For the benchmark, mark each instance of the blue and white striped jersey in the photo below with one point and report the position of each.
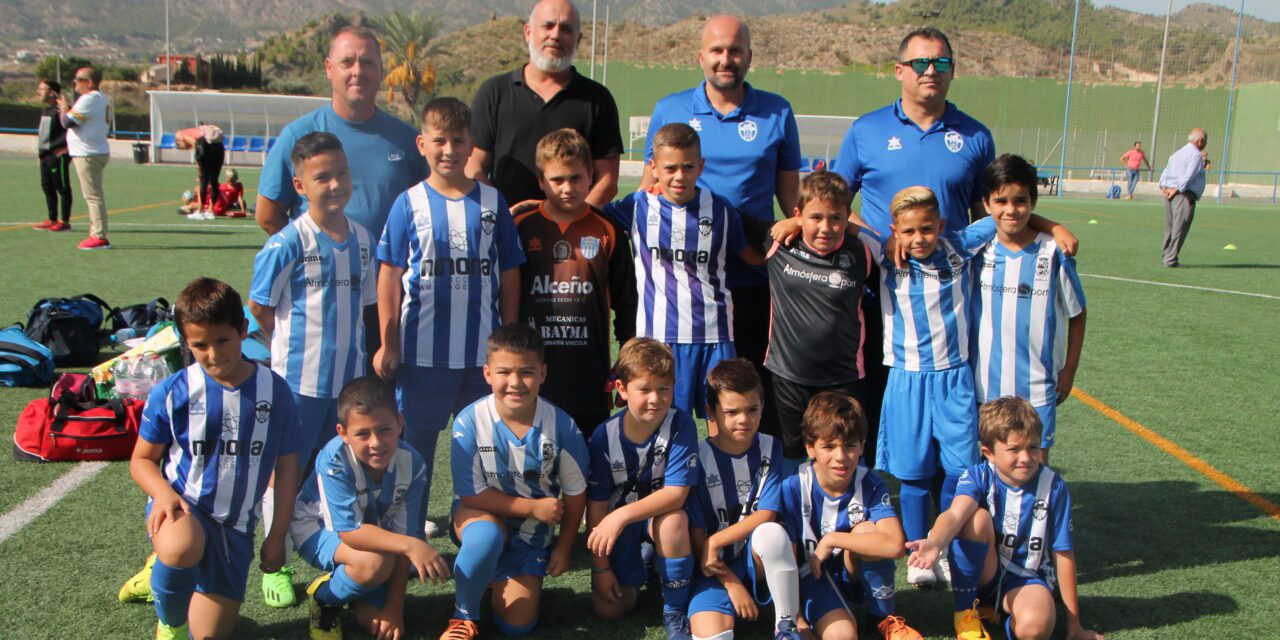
(319, 289)
(340, 496)
(925, 303)
(452, 251)
(623, 471)
(223, 443)
(1029, 520)
(679, 253)
(1019, 312)
(731, 487)
(809, 512)
(550, 460)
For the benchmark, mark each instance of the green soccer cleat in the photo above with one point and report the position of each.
(326, 620)
(166, 632)
(138, 588)
(277, 588)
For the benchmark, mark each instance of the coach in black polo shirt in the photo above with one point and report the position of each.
(512, 111)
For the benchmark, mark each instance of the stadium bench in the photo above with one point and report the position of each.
(167, 141)
(238, 143)
(257, 144)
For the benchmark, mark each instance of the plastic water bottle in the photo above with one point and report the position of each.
(120, 372)
(157, 371)
(127, 333)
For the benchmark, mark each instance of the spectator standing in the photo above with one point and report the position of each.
(55, 163)
(1133, 160)
(1182, 183)
(87, 122)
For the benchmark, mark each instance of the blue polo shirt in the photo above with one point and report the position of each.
(381, 151)
(885, 152)
(744, 151)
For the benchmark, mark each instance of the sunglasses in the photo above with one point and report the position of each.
(81, 79)
(920, 65)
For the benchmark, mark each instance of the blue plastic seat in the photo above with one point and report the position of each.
(167, 141)
(257, 144)
(238, 143)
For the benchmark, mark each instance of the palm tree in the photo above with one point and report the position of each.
(410, 72)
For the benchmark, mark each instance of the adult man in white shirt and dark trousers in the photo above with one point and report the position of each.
(1182, 183)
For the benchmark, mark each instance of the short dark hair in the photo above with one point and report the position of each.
(208, 301)
(95, 74)
(312, 145)
(928, 33)
(516, 337)
(677, 135)
(1009, 169)
(53, 85)
(364, 395)
(832, 415)
(736, 375)
(824, 186)
(446, 114)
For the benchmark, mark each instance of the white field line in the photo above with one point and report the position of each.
(35, 506)
(1183, 286)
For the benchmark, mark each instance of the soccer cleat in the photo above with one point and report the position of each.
(942, 572)
(676, 625)
(896, 628)
(138, 588)
(969, 626)
(91, 243)
(277, 588)
(60, 226)
(460, 629)
(47, 224)
(786, 631)
(166, 632)
(326, 620)
(921, 578)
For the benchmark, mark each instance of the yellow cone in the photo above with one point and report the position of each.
(1093, 221)
(1230, 247)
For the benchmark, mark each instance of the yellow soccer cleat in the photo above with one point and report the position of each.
(969, 626)
(326, 620)
(138, 588)
(896, 628)
(166, 632)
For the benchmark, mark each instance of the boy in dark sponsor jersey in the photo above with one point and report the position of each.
(578, 267)
(816, 328)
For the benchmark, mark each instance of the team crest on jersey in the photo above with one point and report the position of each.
(765, 463)
(1042, 267)
(458, 240)
(548, 450)
(704, 226)
(1040, 510)
(955, 261)
(262, 411)
(856, 514)
(695, 124)
(747, 130)
(562, 251)
(806, 511)
(955, 141)
(487, 220)
(844, 261)
(589, 246)
(364, 255)
(884, 500)
(895, 143)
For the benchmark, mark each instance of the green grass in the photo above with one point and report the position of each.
(1163, 551)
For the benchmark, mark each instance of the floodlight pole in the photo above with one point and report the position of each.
(168, 57)
(1155, 119)
(604, 73)
(1066, 113)
(593, 39)
(1231, 96)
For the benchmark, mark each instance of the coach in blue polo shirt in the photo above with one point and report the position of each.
(752, 150)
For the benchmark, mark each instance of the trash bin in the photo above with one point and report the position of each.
(141, 152)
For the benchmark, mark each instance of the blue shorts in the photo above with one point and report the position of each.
(693, 363)
(428, 396)
(709, 594)
(625, 560)
(928, 417)
(1048, 420)
(319, 550)
(319, 418)
(224, 567)
(992, 593)
(519, 558)
(818, 597)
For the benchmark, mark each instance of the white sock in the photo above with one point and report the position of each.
(771, 543)
(723, 635)
(269, 515)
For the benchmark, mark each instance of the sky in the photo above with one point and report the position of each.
(1265, 9)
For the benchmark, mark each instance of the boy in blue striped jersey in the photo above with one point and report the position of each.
(211, 436)
(519, 469)
(449, 276)
(357, 517)
(1008, 512)
(1028, 308)
(732, 513)
(311, 283)
(839, 513)
(644, 463)
(681, 236)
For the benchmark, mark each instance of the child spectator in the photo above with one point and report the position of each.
(519, 470)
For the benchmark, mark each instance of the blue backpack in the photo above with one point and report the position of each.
(23, 361)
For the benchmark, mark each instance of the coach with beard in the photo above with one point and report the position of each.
(512, 111)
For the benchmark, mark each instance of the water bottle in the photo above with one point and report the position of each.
(119, 337)
(146, 374)
(120, 373)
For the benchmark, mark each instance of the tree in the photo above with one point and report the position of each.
(410, 72)
(48, 68)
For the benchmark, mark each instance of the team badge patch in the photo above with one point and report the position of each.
(695, 124)
(843, 261)
(856, 514)
(895, 143)
(589, 246)
(364, 255)
(1040, 510)
(704, 226)
(562, 251)
(747, 130)
(262, 412)
(487, 220)
(1042, 267)
(955, 261)
(548, 451)
(955, 141)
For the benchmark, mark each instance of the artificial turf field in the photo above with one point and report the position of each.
(1164, 551)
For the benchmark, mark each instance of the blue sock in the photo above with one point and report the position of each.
(877, 583)
(948, 491)
(677, 583)
(172, 588)
(967, 558)
(340, 589)
(509, 630)
(914, 498)
(1008, 629)
(474, 567)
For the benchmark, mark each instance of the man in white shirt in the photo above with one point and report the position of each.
(87, 122)
(1182, 183)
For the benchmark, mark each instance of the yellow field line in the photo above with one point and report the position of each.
(109, 213)
(1182, 455)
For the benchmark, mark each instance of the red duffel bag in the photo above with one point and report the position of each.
(72, 427)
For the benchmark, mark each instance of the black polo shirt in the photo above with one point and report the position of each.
(508, 119)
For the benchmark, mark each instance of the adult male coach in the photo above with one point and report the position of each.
(512, 111)
(381, 149)
(1133, 160)
(87, 122)
(1182, 183)
(752, 151)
